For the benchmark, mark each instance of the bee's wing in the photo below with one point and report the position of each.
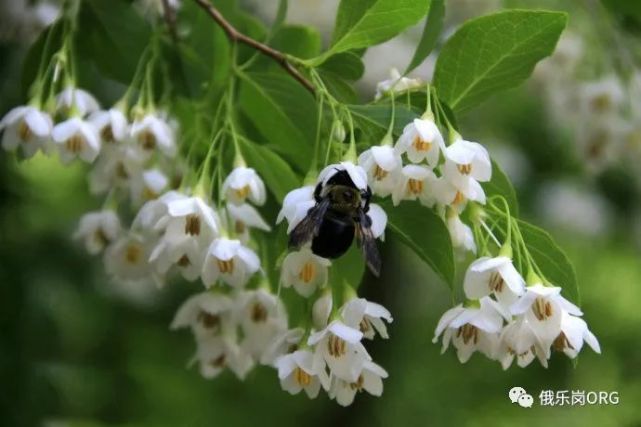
(366, 241)
(309, 226)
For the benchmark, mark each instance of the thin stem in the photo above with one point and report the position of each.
(169, 14)
(235, 36)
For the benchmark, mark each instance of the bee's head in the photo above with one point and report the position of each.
(343, 197)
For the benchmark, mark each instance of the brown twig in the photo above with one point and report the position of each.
(236, 36)
(170, 19)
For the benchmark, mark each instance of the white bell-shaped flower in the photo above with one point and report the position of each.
(154, 212)
(245, 217)
(98, 230)
(184, 253)
(421, 141)
(262, 318)
(466, 164)
(367, 316)
(28, 128)
(370, 380)
(519, 341)
(126, 259)
(149, 185)
(460, 233)
(574, 332)
(76, 138)
(495, 276)
(207, 314)
(396, 83)
(286, 342)
(111, 124)
(383, 166)
(299, 371)
(153, 132)
(244, 184)
(340, 347)
(543, 307)
(356, 173)
(296, 205)
(229, 261)
(189, 216)
(117, 166)
(415, 182)
(305, 271)
(602, 97)
(73, 98)
(215, 354)
(471, 329)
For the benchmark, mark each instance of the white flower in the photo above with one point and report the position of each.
(415, 182)
(322, 309)
(542, 306)
(518, 340)
(367, 316)
(76, 138)
(356, 174)
(285, 343)
(116, 166)
(305, 271)
(383, 168)
(184, 252)
(471, 329)
(148, 186)
(295, 206)
(189, 216)
(98, 229)
(396, 83)
(80, 100)
(153, 132)
(467, 164)
(602, 97)
(207, 314)
(111, 124)
(214, 354)
(244, 217)
(230, 261)
(574, 331)
(460, 233)
(26, 127)
(339, 346)
(496, 276)
(242, 184)
(154, 212)
(263, 318)
(421, 140)
(126, 259)
(299, 371)
(370, 380)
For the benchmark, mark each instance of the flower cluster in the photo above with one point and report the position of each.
(327, 351)
(506, 320)
(604, 110)
(439, 176)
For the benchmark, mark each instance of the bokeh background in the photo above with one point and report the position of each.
(77, 349)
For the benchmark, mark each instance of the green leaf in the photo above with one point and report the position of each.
(113, 36)
(425, 233)
(279, 177)
(348, 65)
(500, 185)
(494, 53)
(379, 117)
(433, 27)
(338, 87)
(297, 40)
(283, 112)
(363, 23)
(551, 259)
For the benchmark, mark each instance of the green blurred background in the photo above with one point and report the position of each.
(79, 350)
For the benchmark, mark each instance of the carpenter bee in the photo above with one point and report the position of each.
(339, 215)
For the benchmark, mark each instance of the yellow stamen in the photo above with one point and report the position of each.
(421, 145)
(415, 186)
(542, 309)
(192, 225)
(308, 272)
(225, 266)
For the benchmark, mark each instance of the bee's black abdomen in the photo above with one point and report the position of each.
(335, 236)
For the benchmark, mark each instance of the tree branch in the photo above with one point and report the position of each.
(235, 36)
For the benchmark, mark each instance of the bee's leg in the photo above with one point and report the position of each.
(366, 195)
(317, 192)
